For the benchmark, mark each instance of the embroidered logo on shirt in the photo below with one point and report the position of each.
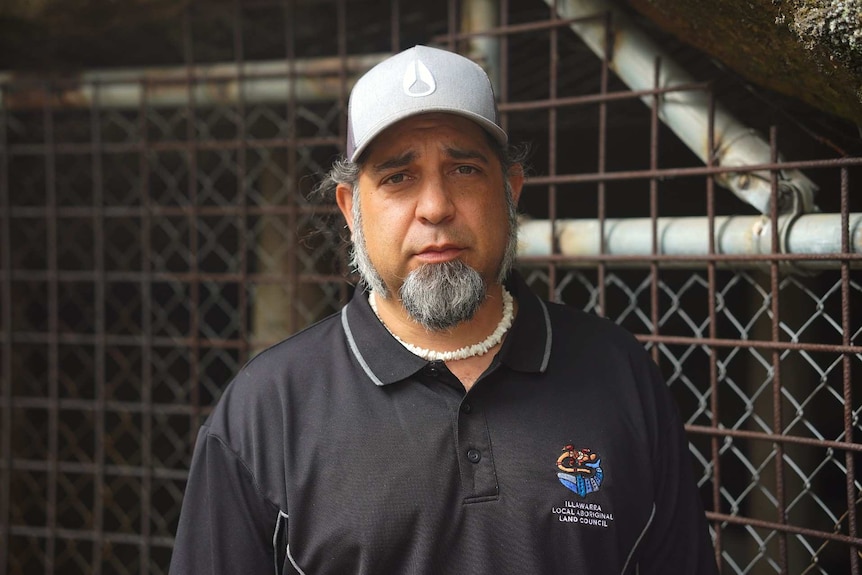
(580, 470)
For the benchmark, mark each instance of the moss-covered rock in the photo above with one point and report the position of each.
(809, 49)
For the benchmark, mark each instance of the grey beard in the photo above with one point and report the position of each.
(440, 296)
(437, 296)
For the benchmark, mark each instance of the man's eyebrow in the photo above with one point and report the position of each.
(462, 154)
(396, 162)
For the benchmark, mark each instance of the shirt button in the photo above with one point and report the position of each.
(432, 370)
(474, 455)
(466, 407)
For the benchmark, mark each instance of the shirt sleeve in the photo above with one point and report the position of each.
(677, 540)
(226, 524)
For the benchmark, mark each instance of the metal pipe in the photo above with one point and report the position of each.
(313, 79)
(809, 234)
(686, 113)
(477, 16)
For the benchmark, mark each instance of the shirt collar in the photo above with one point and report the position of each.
(526, 347)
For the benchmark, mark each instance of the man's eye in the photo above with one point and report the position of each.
(466, 170)
(395, 179)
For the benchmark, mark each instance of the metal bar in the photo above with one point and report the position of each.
(88, 405)
(145, 282)
(653, 207)
(553, 66)
(783, 528)
(749, 343)
(194, 280)
(342, 136)
(452, 27)
(748, 237)
(395, 27)
(773, 438)
(232, 144)
(99, 369)
(686, 113)
(132, 340)
(601, 191)
(777, 425)
(313, 79)
(167, 341)
(823, 261)
(715, 450)
(173, 146)
(847, 391)
(668, 173)
(41, 465)
(503, 94)
(504, 30)
(242, 196)
(53, 330)
(6, 349)
(80, 534)
(22, 212)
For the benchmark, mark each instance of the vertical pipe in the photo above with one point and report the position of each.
(100, 344)
(713, 334)
(53, 333)
(6, 342)
(846, 328)
(776, 357)
(478, 16)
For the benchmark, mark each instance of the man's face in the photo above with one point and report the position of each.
(432, 191)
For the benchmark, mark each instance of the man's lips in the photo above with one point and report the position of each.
(437, 254)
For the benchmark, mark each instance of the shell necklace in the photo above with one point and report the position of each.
(465, 352)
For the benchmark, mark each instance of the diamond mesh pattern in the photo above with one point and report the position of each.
(151, 252)
(811, 394)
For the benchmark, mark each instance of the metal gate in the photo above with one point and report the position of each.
(156, 231)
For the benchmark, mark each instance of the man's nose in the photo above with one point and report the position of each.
(435, 204)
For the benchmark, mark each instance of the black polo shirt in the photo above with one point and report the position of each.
(338, 451)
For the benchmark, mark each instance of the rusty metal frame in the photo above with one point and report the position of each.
(145, 549)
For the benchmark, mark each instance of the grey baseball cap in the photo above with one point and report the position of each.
(418, 81)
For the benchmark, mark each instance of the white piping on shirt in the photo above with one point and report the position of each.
(638, 542)
(548, 335)
(352, 342)
(292, 562)
(282, 520)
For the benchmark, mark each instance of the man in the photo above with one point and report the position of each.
(447, 421)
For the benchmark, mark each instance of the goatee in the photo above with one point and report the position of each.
(441, 296)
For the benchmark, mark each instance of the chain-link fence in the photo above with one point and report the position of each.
(156, 231)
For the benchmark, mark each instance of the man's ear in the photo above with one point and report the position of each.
(344, 199)
(516, 181)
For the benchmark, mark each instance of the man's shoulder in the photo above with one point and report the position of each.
(314, 338)
(265, 382)
(576, 323)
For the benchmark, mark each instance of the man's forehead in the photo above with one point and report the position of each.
(456, 136)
